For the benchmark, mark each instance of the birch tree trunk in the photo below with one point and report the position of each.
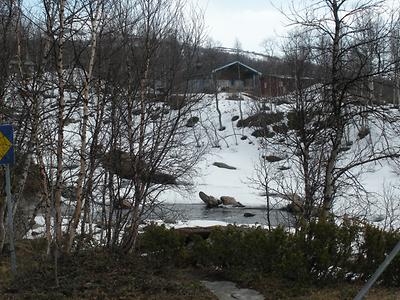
(60, 122)
(85, 108)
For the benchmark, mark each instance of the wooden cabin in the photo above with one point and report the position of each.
(237, 77)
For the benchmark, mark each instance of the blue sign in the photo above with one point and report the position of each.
(6, 145)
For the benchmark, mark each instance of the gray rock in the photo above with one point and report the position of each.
(378, 218)
(248, 215)
(210, 201)
(192, 121)
(223, 165)
(227, 200)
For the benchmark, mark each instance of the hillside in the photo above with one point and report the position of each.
(228, 146)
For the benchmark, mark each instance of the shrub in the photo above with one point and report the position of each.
(281, 128)
(328, 249)
(265, 133)
(293, 261)
(200, 251)
(294, 120)
(376, 244)
(222, 255)
(176, 102)
(162, 246)
(320, 252)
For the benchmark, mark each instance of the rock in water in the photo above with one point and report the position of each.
(248, 215)
(227, 200)
(210, 201)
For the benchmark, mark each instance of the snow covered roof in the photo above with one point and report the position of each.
(234, 63)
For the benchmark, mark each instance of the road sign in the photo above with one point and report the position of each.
(7, 158)
(6, 145)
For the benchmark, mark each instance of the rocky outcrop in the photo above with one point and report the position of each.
(210, 201)
(127, 166)
(227, 200)
(213, 202)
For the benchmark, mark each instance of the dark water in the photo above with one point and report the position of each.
(176, 212)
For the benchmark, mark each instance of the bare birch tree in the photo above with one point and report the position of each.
(323, 116)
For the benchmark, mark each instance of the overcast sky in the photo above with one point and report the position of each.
(249, 21)
(252, 21)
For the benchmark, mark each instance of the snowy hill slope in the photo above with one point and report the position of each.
(378, 179)
(236, 147)
(225, 146)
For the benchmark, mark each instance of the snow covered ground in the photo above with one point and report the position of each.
(236, 147)
(229, 148)
(379, 181)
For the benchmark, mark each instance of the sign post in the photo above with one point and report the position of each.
(7, 159)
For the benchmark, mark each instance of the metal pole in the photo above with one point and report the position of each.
(10, 220)
(378, 272)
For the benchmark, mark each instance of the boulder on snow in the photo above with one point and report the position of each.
(283, 168)
(223, 165)
(363, 132)
(192, 121)
(210, 201)
(272, 158)
(378, 218)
